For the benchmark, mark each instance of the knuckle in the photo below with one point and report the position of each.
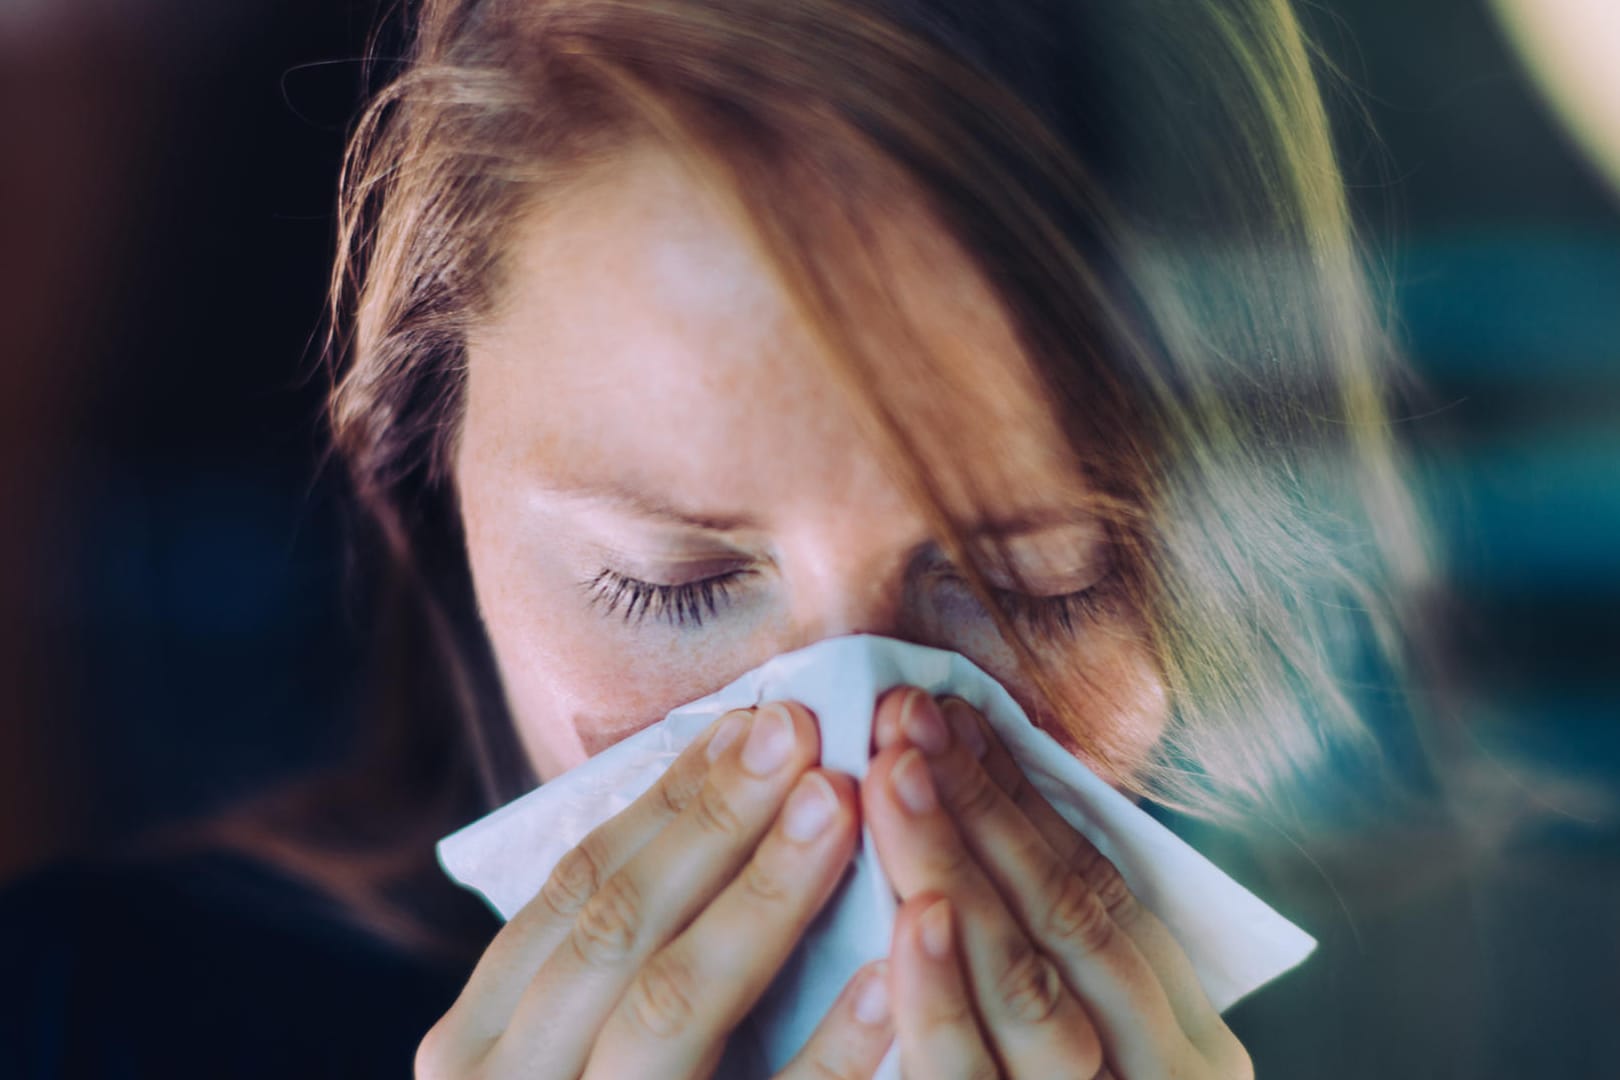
(679, 786)
(1084, 856)
(609, 924)
(1079, 918)
(975, 795)
(673, 793)
(762, 883)
(715, 814)
(1112, 892)
(1016, 786)
(1029, 985)
(573, 881)
(834, 1067)
(1105, 881)
(660, 999)
(1053, 879)
(949, 1012)
(946, 862)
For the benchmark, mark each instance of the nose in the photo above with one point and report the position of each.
(835, 592)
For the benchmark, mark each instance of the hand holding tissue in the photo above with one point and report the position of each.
(1234, 941)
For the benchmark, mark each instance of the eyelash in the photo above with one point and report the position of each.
(685, 605)
(678, 605)
(1057, 616)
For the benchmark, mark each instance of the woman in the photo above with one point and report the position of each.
(710, 329)
(676, 334)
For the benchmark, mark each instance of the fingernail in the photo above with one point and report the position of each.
(731, 726)
(809, 808)
(886, 730)
(912, 783)
(872, 1004)
(965, 725)
(935, 926)
(770, 744)
(920, 719)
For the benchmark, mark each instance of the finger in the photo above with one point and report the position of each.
(485, 1005)
(886, 716)
(1157, 945)
(673, 1019)
(1080, 927)
(904, 712)
(659, 890)
(850, 1041)
(1034, 1024)
(935, 1021)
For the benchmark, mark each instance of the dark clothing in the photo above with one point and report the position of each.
(210, 966)
(217, 967)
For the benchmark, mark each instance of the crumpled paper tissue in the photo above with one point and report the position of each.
(1236, 942)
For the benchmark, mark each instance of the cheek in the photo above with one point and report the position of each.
(571, 689)
(1112, 705)
(574, 692)
(576, 682)
(1114, 711)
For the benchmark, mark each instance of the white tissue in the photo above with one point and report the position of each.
(1235, 942)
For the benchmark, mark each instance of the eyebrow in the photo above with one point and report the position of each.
(650, 504)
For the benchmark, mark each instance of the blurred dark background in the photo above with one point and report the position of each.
(173, 627)
(173, 617)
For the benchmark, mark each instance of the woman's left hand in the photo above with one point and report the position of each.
(1019, 951)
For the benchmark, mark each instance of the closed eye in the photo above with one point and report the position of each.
(1057, 616)
(679, 605)
(688, 604)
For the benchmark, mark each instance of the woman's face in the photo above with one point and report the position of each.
(663, 486)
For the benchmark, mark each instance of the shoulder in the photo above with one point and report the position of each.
(207, 965)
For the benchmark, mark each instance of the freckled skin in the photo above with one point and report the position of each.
(640, 341)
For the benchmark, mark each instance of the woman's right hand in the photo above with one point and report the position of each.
(654, 937)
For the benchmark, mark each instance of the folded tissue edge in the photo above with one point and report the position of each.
(1236, 943)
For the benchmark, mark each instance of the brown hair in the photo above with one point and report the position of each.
(1150, 188)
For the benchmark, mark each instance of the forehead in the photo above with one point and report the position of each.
(640, 330)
